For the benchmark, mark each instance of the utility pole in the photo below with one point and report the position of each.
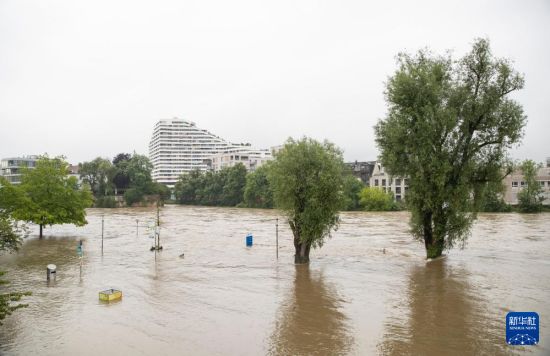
(158, 226)
(102, 226)
(277, 237)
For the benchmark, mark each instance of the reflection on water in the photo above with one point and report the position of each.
(310, 322)
(443, 314)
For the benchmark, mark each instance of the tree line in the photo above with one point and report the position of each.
(127, 174)
(234, 186)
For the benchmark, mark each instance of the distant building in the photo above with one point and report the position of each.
(178, 146)
(381, 179)
(250, 158)
(10, 168)
(514, 183)
(362, 170)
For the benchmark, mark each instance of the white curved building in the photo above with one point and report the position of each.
(179, 146)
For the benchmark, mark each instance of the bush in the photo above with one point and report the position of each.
(132, 196)
(376, 199)
(105, 202)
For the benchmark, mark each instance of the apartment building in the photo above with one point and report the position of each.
(10, 168)
(381, 179)
(249, 157)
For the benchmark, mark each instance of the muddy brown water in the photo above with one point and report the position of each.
(367, 291)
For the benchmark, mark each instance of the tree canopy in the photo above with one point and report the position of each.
(351, 190)
(306, 178)
(51, 195)
(448, 128)
(257, 192)
(223, 188)
(98, 175)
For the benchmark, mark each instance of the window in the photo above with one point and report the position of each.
(398, 197)
(376, 182)
(522, 184)
(397, 182)
(397, 190)
(383, 182)
(406, 181)
(542, 183)
(514, 184)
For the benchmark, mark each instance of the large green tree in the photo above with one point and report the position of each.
(121, 180)
(98, 175)
(52, 196)
(448, 127)
(530, 196)
(139, 170)
(306, 178)
(257, 192)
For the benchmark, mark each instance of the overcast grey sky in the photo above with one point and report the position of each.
(91, 78)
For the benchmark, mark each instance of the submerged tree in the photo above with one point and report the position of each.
(448, 127)
(306, 178)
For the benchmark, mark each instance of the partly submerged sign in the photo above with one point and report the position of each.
(522, 328)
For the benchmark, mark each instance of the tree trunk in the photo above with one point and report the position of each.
(434, 244)
(302, 249)
(41, 230)
(302, 252)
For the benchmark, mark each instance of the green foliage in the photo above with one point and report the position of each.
(11, 235)
(105, 202)
(233, 188)
(306, 178)
(448, 128)
(130, 174)
(223, 188)
(97, 174)
(257, 192)
(376, 199)
(352, 188)
(120, 177)
(492, 200)
(139, 172)
(162, 191)
(530, 196)
(187, 186)
(7, 306)
(51, 195)
(133, 196)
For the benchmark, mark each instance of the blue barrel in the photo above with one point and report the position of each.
(249, 240)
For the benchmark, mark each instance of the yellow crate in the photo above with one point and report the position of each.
(110, 294)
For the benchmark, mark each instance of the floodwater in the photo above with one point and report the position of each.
(367, 291)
